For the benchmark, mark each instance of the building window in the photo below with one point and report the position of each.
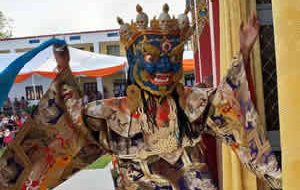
(269, 74)
(189, 79)
(75, 38)
(32, 94)
(4, 51)
(113, 50)
(81, 48)
(92, 49)
(278, 157)
(90, 87)
(34, 41)
(269, 77)
(263, 1)
(119, 87)
(268, 60)
(112, 34)
(23, 50)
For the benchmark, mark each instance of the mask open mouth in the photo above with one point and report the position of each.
(158, 83)
(161, 79)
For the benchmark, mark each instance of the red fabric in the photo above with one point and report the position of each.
(211, 155)
(7, 139)
(250, 83)
(206, 53)
(216, 15)
(209, 141)
(197, 72)
(203, 65)
(19, 123)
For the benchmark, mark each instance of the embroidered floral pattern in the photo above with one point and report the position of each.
(55, 142)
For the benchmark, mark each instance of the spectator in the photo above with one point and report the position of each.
(1, 117)
(7, 137)
(105, 93)
(5, 121)
(11, 125)
(18, 122)
(85, 99)
(7, 107)
(2, 127)
(13, 117)
(17, 105)
(92, 96)
(99, 95)
(23, 103)
(8, 126)
(1, 138)
(23, 117)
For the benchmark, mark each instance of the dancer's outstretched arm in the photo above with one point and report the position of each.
(54, 142)
(234, 119)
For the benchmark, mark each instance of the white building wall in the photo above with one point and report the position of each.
(89, 37)
(95, 38)
(18, 89)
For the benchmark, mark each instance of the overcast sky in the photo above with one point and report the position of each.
(38, 17)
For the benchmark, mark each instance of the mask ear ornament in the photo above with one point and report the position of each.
(134, 97)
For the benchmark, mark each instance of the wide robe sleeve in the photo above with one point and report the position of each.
(54, 142)
(233, 117)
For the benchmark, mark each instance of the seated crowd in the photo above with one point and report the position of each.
(12, 118)
(13, 115)
(91, 96)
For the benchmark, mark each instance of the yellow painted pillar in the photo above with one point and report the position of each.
(232, 13)
(286, 15)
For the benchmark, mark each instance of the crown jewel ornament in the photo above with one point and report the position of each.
(164, 25)
(141, 18)
(164, 17)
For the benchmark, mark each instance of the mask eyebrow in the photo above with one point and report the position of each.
(177, 50)
(151, 49)
(145, 47)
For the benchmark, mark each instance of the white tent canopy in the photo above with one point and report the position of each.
(80, 61)
(40, 70)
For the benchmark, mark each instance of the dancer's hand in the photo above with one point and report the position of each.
(248, 35)
(62, 56)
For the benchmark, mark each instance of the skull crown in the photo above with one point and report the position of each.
(165, 24)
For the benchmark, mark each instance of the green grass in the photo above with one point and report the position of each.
(100, 162)
(1, 152)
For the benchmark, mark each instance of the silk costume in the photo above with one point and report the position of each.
(141, 130)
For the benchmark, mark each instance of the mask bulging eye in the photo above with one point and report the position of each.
(148, 58)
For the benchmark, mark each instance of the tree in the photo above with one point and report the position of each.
(5, 27)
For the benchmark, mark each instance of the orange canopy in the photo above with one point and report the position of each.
(188, 65)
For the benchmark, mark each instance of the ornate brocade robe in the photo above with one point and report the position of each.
(62, 137)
